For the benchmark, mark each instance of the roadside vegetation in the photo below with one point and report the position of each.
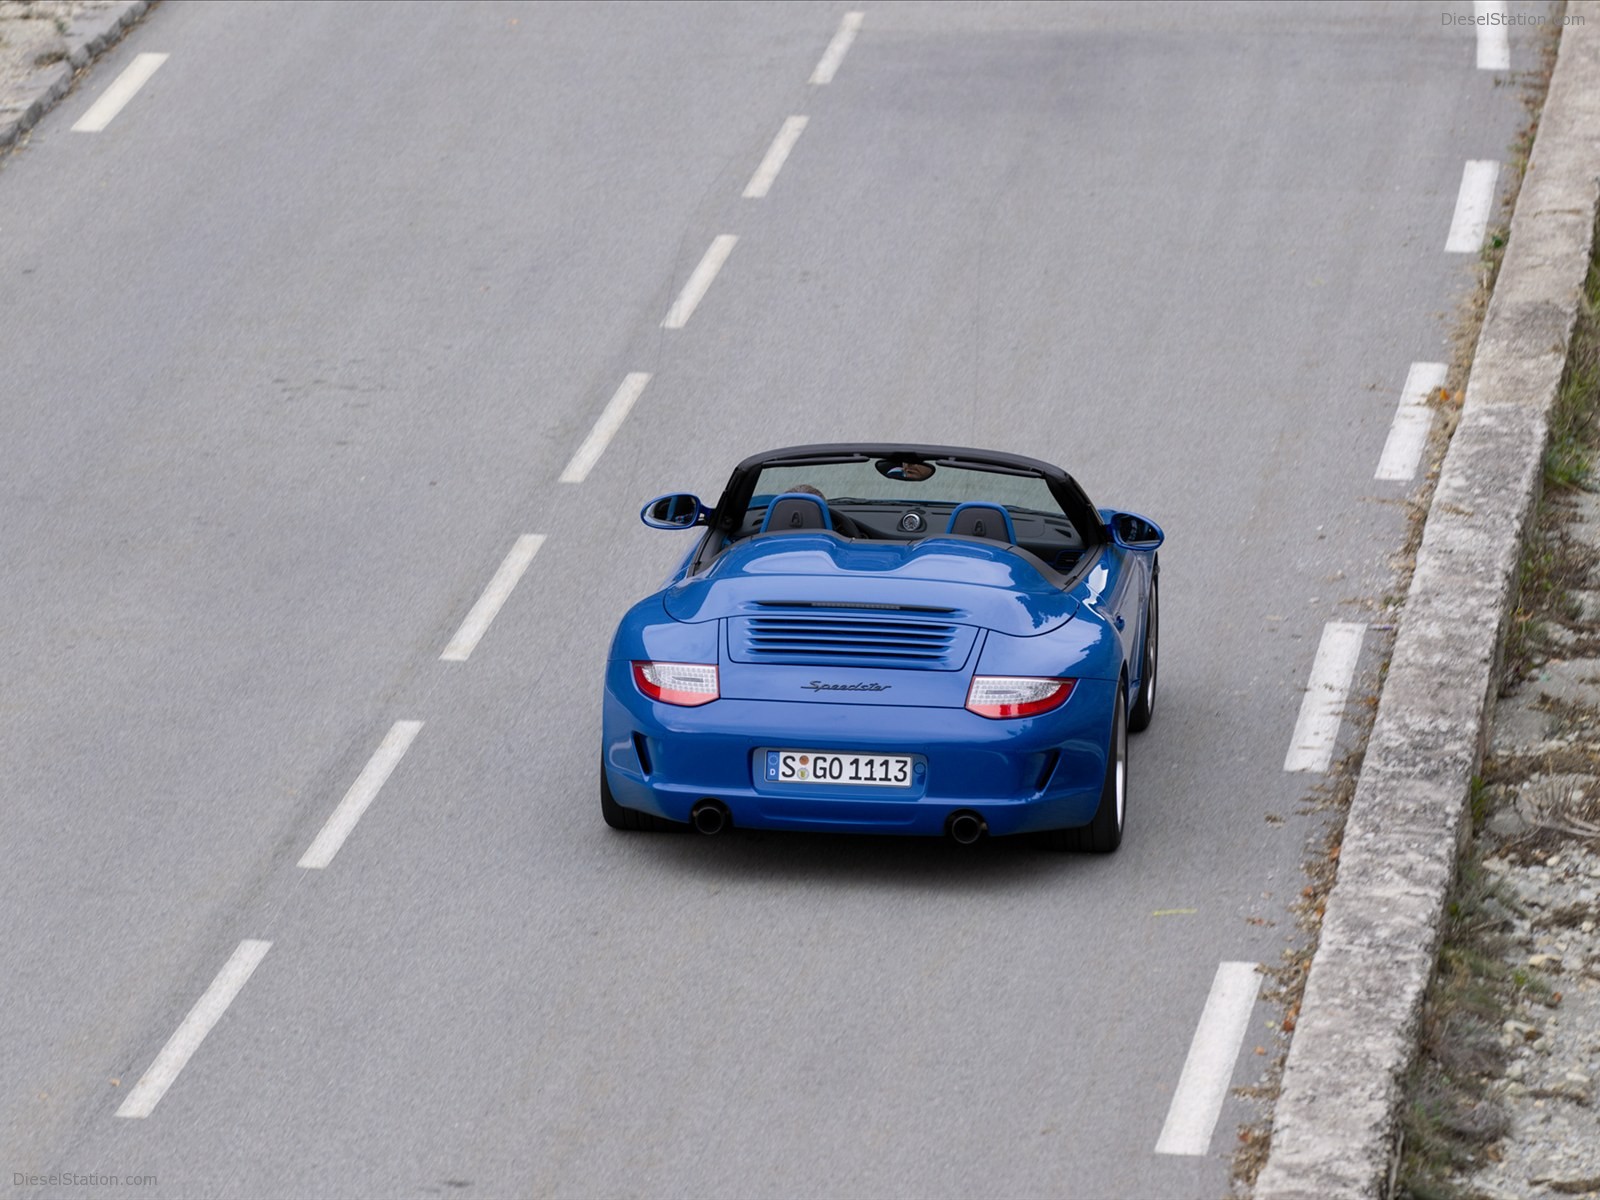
(1452, 1115)
(1554, 566)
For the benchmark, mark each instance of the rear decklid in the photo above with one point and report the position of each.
(918, 603)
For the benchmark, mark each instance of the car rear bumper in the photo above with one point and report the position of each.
(1020, 775)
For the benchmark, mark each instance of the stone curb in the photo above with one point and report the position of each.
(89, 37)
(1334, 1123)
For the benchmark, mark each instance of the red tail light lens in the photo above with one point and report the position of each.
(1000, 696)
(687, 684)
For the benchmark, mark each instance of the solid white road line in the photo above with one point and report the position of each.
(1408, 435)
(694, 291)
(180, 1047)
(605, 428)
(1494, 41)
(477, 622)
(362, 793)
(834, 54)
(1474, 202)
(122, 89)
(1322, 710)
(777, 153)
(1208, 1070)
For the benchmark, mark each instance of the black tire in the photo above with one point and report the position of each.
(1103, 834)
(630, 818)
(1144, 704)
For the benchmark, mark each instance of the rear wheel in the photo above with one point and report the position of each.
(1103, 834)
(630, 818)
(1144, 705)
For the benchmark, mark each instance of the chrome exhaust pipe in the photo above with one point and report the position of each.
(966, 828)
(709, 817)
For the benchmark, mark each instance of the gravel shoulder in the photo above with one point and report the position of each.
(1552, 1142)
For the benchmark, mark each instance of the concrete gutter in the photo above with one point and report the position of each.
(1334, 1123)
(89, 33)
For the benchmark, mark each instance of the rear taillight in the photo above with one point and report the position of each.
(687, 684)
(1016, 696)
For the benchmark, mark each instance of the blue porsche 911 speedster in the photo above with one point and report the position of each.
(887, 639)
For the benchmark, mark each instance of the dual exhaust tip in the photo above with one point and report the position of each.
(710, 817)
(966, 827)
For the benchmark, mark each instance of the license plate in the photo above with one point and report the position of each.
(828, 767)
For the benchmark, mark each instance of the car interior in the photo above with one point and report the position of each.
(1048, 537)
(904, 499)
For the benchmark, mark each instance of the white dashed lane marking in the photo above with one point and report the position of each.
(1408, 434)
(777, 154)
(202, 1018)
(122, 89)
(828, 64)
(1322, 710)
(361, 794)
(488, 605)
(1494, 40)
(1207, 1072)
(1474, 203)
(700, 282)
(605, 427)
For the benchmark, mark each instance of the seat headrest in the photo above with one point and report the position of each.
(796, 510)
(977, 519)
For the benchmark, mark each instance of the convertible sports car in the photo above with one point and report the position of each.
(887, 639)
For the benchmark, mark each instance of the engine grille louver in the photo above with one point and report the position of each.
(812, 636)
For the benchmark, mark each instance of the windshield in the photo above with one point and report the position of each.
(945, 486)
(902, 499)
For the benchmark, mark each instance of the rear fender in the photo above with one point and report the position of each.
(647, 632)
(1084, 648)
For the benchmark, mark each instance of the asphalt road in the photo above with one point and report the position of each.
(301, 343)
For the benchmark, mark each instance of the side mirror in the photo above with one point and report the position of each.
(680, 510)
(1133, 532)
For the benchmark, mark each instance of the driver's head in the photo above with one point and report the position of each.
(807, 489)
